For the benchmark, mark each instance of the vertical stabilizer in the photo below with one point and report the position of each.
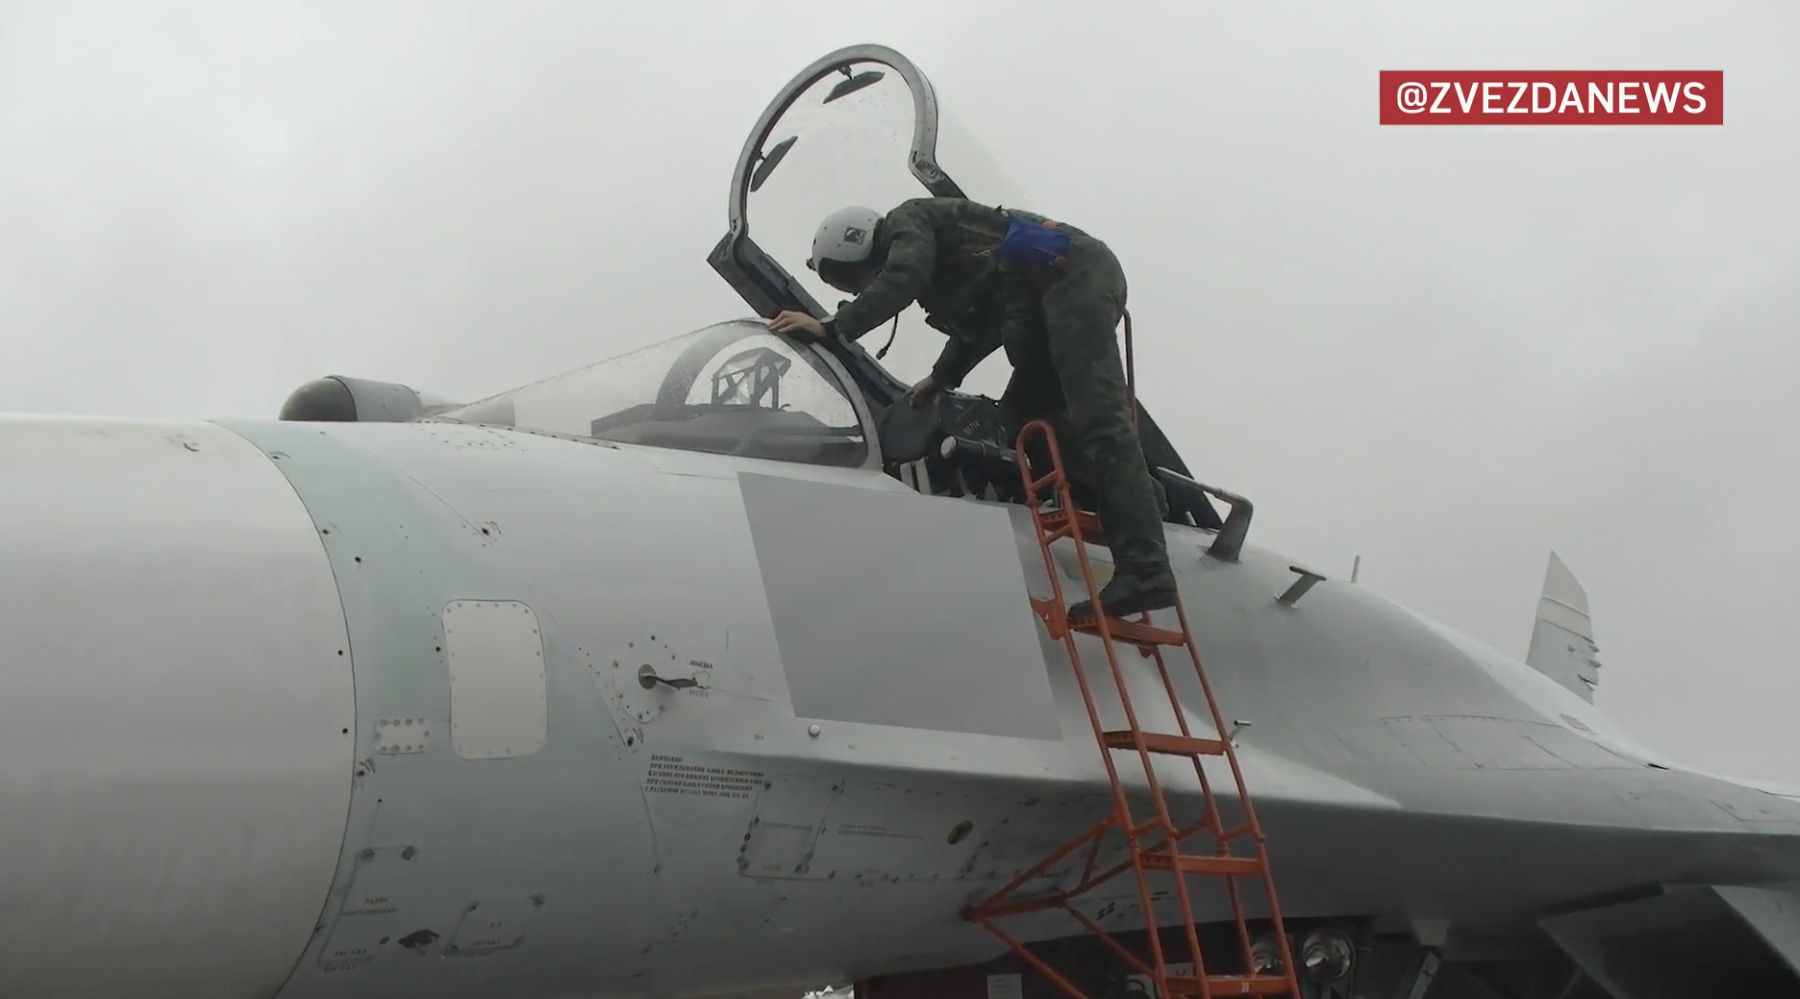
(1562, 640)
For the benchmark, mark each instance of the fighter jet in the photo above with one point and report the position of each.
(708, 670)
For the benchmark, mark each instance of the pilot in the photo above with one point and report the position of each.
(1052, 296)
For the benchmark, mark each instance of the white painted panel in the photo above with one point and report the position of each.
(496, 659)
(870, 633)
(177, 713)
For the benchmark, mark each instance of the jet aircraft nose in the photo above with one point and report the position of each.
(176, 713)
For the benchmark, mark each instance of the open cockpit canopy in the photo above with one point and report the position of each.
(860, 126)
(863, 126)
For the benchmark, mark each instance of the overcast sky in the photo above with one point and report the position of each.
(1446, 349)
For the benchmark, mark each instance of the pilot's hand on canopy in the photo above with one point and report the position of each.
(797, 324)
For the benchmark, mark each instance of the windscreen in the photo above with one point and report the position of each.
(733, 388)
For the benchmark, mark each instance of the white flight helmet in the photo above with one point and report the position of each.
(847, 236)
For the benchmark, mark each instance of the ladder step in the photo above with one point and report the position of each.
(1191, 864)
(1056, 524)
(1231, 985)
(1142, 635)
(1090, 524)
(1169, 745)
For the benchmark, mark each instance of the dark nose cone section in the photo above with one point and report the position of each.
(322, 400)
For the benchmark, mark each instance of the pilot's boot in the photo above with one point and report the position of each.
(1142, 580)
(1133, 589)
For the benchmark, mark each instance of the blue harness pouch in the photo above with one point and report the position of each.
(1028, 242)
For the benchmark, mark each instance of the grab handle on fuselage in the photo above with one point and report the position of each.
(1185, 492)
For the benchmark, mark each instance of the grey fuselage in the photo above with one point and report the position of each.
(360, 710)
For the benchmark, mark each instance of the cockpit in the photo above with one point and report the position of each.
(861, 126)
(732, 388)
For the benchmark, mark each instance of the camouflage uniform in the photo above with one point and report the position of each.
(1058, 330)
(935, 251)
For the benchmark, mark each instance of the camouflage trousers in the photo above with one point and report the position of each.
(1067, 371)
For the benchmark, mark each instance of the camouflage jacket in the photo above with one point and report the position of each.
(936, 251)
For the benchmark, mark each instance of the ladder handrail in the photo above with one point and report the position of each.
(1165, 855)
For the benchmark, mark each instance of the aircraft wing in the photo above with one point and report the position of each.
(1651, 946)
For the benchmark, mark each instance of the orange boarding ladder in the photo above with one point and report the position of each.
(1164, 856)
